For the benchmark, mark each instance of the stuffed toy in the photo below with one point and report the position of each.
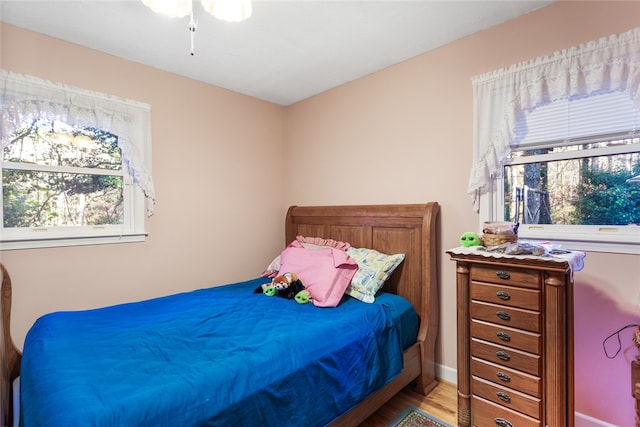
(286, 285)
(469, 239)
(303, 297)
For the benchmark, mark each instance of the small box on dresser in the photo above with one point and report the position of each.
(515, 338)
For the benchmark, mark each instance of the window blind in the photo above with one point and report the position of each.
(570, 120)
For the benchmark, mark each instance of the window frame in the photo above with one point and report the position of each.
(131, 230)
(127, 119)
(594, 238)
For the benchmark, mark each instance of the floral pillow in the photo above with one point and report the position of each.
(374, 268)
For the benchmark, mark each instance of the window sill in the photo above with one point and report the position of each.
(7, 245)
(622, 244)
(614, 248)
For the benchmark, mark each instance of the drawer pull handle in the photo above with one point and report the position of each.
(504, 377)
(503, 275)
(504, 397)
(503, 315)
(503, 295)
(503, 336)
(503, 356)
(502, 422)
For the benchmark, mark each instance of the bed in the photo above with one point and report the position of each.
(299, 369)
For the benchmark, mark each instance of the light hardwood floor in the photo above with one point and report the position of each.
(441, 403)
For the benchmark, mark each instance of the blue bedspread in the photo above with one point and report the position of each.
(221, 356)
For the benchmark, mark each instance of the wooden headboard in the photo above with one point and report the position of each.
(410, 229)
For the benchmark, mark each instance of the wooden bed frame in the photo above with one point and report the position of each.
(10, 355)
(391, 229)
(408, 228)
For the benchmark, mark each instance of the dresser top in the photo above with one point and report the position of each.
(573, 260)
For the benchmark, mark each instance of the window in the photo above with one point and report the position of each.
(557, 146)
(567, 179)
(71, 167)
(576, 184)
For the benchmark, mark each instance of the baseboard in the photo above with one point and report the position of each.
(448, 374)
(583, 420)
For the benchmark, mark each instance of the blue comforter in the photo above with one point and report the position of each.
(221, 356)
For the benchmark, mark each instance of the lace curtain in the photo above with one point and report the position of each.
(503, 98)
(24, 99)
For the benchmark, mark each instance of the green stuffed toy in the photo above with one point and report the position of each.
(469, 239)
(270, 290)
(286, 286)
(303, 297)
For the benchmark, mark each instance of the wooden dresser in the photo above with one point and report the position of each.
(515, 339)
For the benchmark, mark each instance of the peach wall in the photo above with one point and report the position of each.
(409, 129)
(404, 135)
(212, 156)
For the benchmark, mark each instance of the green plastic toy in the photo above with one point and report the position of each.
(469, 239)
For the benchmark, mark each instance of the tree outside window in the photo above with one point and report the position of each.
(56, 175)
(586, 190)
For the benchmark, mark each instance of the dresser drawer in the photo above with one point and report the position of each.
(506, 356)
(488, 414)
(506, 276)
(520, 381)
(507, 397)
(505, 316)
(506, 295)
(515, 338)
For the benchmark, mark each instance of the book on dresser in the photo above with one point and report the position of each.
(515, 338)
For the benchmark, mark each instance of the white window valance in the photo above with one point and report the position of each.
(503, 98)
(24, 99)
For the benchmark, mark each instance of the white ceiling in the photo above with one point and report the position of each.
(286, 52)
